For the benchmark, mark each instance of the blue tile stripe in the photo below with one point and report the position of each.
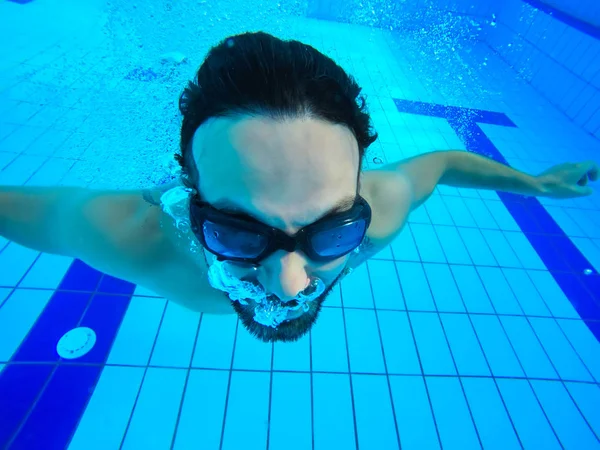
(567, 19)
(42, 396)
(562, 258)
(454, 113)
(53, 420)
(20, 386)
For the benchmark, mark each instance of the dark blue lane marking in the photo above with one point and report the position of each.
(567, 19)
(57, 412)
(80, 277)
(62, 313)
(19, 387)
(21, 2)
(42, 396)
(562, 258)
(112, 285)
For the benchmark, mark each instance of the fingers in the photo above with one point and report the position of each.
(591, 169)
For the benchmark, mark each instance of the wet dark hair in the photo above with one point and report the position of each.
(259, 74)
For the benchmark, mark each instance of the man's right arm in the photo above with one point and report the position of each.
(116, 232)
(36, 217)
(103, 228)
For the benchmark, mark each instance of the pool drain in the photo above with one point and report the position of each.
(76, 343)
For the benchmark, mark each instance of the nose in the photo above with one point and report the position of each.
(284, 275)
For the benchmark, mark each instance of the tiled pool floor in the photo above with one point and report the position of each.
(476, 328)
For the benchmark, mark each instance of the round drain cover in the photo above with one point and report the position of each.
(76, 343)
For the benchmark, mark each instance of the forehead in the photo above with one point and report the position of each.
(285, 171)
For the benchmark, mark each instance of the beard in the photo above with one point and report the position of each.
(265, 316)
(286, 331)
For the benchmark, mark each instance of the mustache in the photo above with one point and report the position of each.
(314, 289)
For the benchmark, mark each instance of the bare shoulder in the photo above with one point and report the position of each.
(179, 274)
(141, 249)
(390, 196)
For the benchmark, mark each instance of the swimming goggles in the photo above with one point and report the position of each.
(240, 238)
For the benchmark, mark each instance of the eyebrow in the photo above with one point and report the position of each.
(230, 207)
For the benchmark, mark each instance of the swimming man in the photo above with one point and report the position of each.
(271, 208)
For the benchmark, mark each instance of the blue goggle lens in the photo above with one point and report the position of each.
(230, 242)
(338, 241)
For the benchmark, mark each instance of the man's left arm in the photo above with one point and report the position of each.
(469, 170)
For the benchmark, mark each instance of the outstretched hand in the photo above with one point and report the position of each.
(568, 180)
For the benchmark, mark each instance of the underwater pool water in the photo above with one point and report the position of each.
(478, 327)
